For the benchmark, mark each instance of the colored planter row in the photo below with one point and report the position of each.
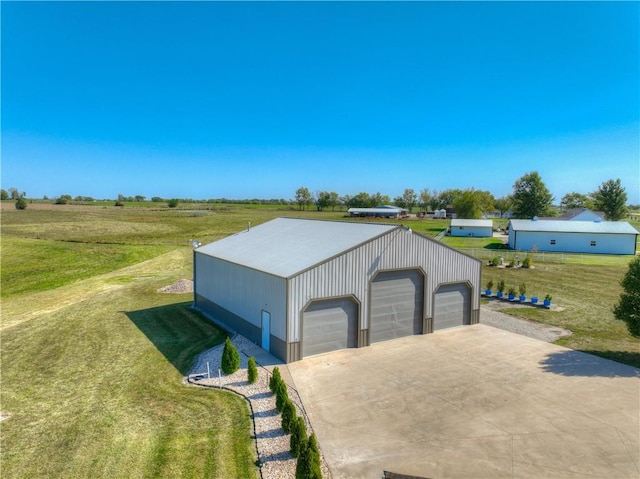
(521, 298)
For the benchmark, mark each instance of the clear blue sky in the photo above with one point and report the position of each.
(253, 100)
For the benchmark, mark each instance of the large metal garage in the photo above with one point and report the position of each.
(303, 287)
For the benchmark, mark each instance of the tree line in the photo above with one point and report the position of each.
(530, 198)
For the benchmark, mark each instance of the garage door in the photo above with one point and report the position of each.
(451, 306)
(396, 305)
(329, 325)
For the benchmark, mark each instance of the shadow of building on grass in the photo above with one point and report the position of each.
(177, 331)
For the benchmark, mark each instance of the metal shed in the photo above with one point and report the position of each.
(601, 237)
(301, 287)
(475, 228)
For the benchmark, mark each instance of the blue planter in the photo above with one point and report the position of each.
(523, 298)
(512, 297)
(547, 303)
(487, 292)
(499, 294)
(534, 300)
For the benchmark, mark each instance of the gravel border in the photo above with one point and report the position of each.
(272, 443)
(491, 316)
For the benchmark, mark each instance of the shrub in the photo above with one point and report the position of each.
(230, 358)
(490, 284)
(526, 263)
(548, 297)
(282, 396)
(495, 261)
(501, 285)
(172, 203)
(313, 459)
(275, 379)
(21, 204)
(252, 370)
(302, 466)
(298, 436)
(511, 290)
(288, 416)
(522, 289)
(119, 203)
(628, 309)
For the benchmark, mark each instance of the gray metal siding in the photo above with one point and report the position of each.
(397, 299)
(351, 272)
(451, 306)
(243, 291)
(329, 325)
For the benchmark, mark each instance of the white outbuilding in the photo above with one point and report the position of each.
(301, 287)
(473, 228)
(601, 237)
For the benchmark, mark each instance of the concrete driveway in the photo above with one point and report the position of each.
(473, 402)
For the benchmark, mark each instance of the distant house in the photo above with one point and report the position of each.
(567, 236)
(581, 214)
(475, 228)
(378, 212)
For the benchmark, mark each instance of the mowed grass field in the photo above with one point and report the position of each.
(92, 355)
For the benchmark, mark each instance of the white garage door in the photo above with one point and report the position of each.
(396, 305)
(329, 325)
(451, 307)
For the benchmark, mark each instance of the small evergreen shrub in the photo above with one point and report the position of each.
(298, 436)
(230, 358)
(313, 459)
(526, 263)
(522, 289)
(172, 203)
(302, 465)
(288, 416)
(252, 370)
(501, 285)
(274, 379)
(21, 204)
(282, 396)
(490, 284)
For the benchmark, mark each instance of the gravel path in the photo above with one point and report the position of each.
(271, 441)
(490, 315)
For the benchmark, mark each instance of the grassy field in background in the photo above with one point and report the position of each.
(93, 356)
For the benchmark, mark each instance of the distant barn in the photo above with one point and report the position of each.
(602, 237)
(378, 212)
(474, 228)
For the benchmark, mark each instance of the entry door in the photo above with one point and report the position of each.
(266, 325)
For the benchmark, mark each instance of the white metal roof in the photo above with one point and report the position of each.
(286, 246)
(472, 223)
(379, 209)
(556, 226)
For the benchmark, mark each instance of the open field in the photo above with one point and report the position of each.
(92, 355)
(91, 382)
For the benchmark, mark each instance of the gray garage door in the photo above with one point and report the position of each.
(396, 305)
(451, 307)
(329, 325)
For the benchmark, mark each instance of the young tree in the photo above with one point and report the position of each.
(282, 396)
(298, 437)
(252, 370)
(21, 204)
(275, 379)
(466, 205)
(313, 459)
(611, 198)
(302, 465)
(409, 198)
(576, 200)
(503, 204)
(4, 195)
(303, 198)
(628, 309)
(230, 358)
(531, 197)
(14, 192)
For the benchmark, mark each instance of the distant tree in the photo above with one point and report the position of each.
(467, 205)
(252, 370)
(426, 199)
(63, 200)
(503, 204)
(4, 195)
(157, 199)
(531, 197)
(230, 358)
(409, 199)
(121, 198)
(334, 200)
(378, 199)
(298, 437)
(361, 200)
(628, 309)
(611, 198)
(21, 203)
(322, 200)
(172, 203)
(14, 192)
(448, 197)
(303, 198)
(140, 198)
(576, 200)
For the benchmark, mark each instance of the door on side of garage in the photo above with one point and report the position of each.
(397, 305)
(329, 325)
(451, 306)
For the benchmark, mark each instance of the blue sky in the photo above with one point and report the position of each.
(253, 100)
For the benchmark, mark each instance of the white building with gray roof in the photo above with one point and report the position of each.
(301, 287)
(471, 227)
(602, 237)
